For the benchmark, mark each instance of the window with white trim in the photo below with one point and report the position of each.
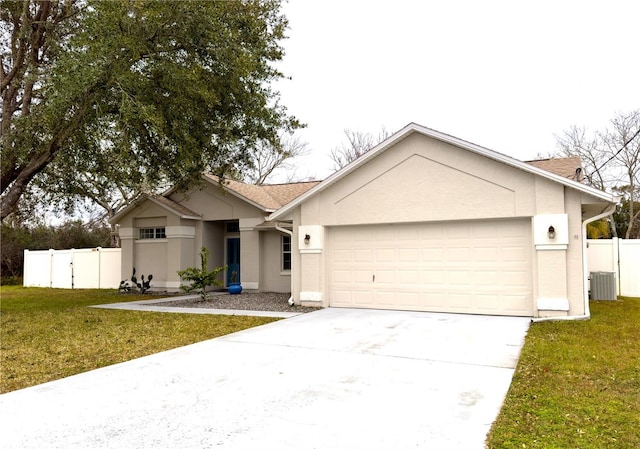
(286, 253)
(152, 233)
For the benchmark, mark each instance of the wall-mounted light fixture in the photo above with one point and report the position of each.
(551, 233)
(307, 237)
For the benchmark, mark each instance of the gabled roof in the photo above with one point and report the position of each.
(173, 206)
(477, 149)
(266, 197)
(162, 201)
(567, 167)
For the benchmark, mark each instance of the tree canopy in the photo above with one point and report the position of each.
(611, 162)
(133, 93)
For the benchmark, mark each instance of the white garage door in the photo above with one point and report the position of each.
(481, 267)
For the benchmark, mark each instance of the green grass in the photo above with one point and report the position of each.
(577, 384)
(47, 334)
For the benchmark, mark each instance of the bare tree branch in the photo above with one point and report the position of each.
(267, 158)
(358, 143)
(611, 161)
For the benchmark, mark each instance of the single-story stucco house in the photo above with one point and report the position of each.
(423, 221)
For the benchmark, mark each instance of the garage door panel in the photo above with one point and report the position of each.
(486, 230)
(362, 298)
(513, 302)
(342, 298)
(434, 231)
(457, 231)
(362, 255)
(362, 277)
(341, 256)
(431, 278)
(513, 254)
(383, 255)
(485, 278)
(409, 277)
(339, 276)
(387, 299)
(488, 302)
(515, 278)
(432, 254)
(458, 254)
(384, 278)
(461, 301)
(455, 278)
(468, 267)
(486, 254)
(411, 255)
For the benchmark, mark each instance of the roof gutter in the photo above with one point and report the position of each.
(290, 234)
(585, 266)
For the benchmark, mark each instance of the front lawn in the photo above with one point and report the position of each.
(577, 384)
(47, 334)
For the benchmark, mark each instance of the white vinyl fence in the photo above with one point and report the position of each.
(72, 268)
(620, 256)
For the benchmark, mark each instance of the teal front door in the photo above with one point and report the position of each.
(233, 260)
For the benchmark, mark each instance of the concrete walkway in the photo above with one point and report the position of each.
(155, 305)
(335, 378)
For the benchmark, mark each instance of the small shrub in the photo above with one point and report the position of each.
(11, 280)
(143, 285)
(124, 287)
(201, 278)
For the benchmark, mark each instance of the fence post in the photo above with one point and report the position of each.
(615, 247)
(25, 264)
(72, 273)
(51, 253)
(99, 266)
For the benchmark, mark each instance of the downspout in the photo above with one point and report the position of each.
(587, 313)
(290, 234)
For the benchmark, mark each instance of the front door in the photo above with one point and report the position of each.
(233, 260)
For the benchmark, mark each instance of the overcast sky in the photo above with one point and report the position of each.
(506, 75)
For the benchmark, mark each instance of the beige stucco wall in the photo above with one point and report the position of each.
(213, 240)
(575, 275)
(421, 179)
(272, 278)
(216, 204)
(161, 257)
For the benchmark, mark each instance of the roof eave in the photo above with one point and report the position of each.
(126, 210)
(174, 211)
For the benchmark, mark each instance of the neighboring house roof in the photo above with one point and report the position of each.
(267, 197)
(415, 128)
(567, 167)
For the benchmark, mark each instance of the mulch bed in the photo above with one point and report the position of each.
(262, 301)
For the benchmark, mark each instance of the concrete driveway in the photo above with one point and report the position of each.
(335, 378)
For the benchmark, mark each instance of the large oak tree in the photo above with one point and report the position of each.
(135, 93)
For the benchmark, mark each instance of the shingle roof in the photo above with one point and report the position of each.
(567, 167)
(285, 193)
(269, 197)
